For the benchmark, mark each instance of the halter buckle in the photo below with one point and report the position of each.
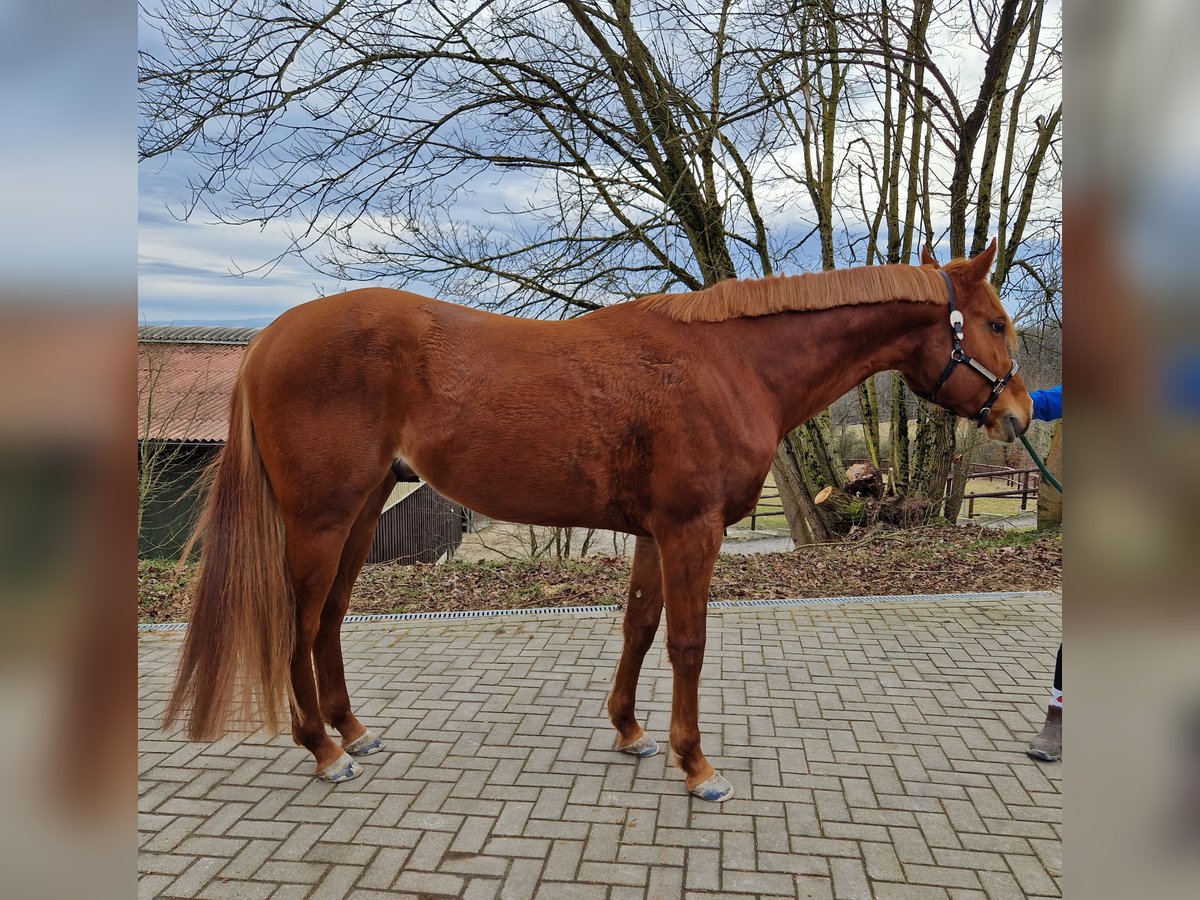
(957, 323)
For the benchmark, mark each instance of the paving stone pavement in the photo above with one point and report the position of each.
(876, 750)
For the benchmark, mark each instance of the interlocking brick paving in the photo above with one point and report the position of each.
(877, 750)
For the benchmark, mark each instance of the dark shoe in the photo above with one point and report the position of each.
(1047, 746)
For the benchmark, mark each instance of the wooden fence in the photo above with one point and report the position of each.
(1017, 483)
(766, 508)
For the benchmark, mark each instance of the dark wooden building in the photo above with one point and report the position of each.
(185, 379)
(418, 525)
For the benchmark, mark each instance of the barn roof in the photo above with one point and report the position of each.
(185, 379)
(194, 334)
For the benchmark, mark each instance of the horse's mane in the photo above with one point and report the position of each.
(816, 290)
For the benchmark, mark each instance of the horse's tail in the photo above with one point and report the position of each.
(237, 653)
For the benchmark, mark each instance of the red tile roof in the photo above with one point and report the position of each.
(184, 387)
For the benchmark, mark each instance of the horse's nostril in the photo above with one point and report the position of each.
(1017, 426)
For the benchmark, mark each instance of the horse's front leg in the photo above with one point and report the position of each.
(688, 553)
(643, 611)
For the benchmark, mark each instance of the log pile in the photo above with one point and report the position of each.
(842, 507)
(864, 480)
(862, 502)
(906, 512)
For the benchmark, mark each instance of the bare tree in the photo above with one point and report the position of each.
(982, 147)
(163, 461)
(634, 137)
(631, 140)
(553, 158)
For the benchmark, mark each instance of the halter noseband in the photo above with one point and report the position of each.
(958, 355)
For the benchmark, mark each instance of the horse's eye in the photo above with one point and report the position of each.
(998, 327)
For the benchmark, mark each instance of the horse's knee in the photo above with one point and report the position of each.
(686, 653)
(640, 635)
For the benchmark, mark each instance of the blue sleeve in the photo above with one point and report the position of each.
(1047, 405)
(1182, 378)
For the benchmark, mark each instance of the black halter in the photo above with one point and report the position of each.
(958, 355)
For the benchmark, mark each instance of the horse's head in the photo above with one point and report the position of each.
(966, 364)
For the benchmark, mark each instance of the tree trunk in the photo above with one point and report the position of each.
(804, 520)
(934, 456)
(868, 404)
(969, 443)
(822, 462)
(991, 144)
(791, 499)
(1049, 511)
(898, 440)
(922, 447)
(921, 13)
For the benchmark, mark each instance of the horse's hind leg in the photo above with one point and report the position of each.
(327, 651)
(642, 613)
(313, 556)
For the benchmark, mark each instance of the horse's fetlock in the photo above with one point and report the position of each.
(686, 747)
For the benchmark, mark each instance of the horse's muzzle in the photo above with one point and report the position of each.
(1015, 427)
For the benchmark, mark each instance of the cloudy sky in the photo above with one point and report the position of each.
(200, 271)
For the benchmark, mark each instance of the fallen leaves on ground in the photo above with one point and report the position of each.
(936, 559)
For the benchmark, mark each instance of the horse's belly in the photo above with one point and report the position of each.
(537, 506)
(528, 494)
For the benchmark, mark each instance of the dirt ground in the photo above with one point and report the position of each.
(934, 559)
(499, 541)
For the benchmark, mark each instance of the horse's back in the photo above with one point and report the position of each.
(371, 325)
(354, 324)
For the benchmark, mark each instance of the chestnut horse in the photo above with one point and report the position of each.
(658, 417)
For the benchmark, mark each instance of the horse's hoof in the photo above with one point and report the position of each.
(715, 790)
(364, 746)
(341, 769)
(641, 748)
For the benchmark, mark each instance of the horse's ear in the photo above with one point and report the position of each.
(927, 257)
(978, 267)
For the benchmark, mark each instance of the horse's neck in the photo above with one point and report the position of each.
(808, 360)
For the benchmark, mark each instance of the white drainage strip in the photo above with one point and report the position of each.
(715, 604)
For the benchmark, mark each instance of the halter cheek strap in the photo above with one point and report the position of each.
(959, 356)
